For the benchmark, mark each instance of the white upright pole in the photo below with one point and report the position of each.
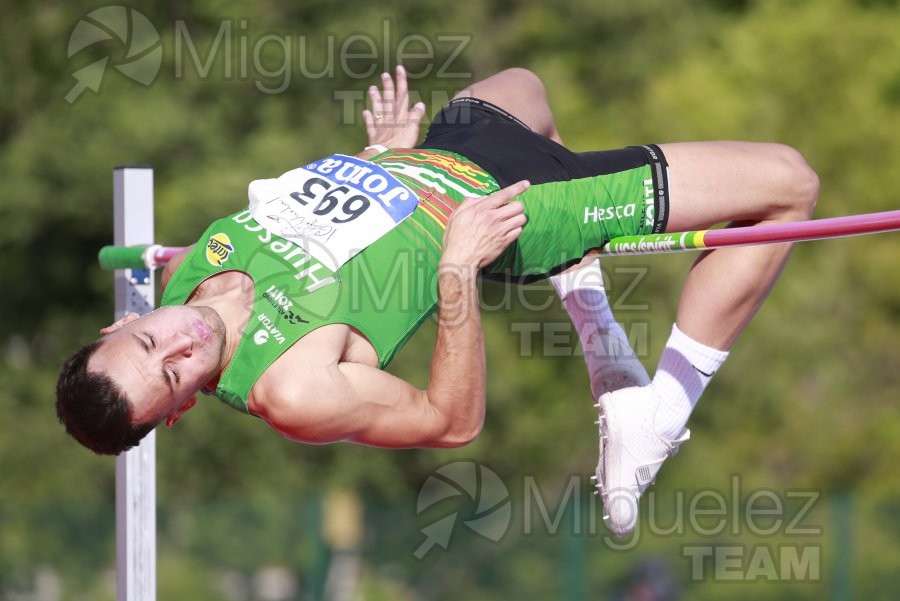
(136, 469)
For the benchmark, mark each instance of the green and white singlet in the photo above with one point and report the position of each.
(389, 287)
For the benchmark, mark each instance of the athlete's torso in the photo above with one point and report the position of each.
(384, 293)
(303, 313)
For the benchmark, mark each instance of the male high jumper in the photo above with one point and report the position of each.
(288, 310)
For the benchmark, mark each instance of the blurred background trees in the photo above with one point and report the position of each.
(807, 401)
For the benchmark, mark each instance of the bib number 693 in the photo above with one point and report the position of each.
(328, 197)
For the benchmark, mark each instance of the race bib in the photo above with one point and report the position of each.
(332, 208)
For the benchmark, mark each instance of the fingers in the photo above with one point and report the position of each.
(503, 196)
(388, 95)
(389, 119)
(512, 216)
(387, 100)
(401, 100)
(501, 199)
(417, 113)
(482, 227)
(369, 121)
(510, 209)
(509, 215)
(393, 99)
(375, 100)
(512, 235)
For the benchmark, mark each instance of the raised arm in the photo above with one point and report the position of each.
(358, 403)
(391, 122)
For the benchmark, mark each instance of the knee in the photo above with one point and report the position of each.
(801, 182)
(526, 79)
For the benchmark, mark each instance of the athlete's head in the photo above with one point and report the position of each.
(144, 370)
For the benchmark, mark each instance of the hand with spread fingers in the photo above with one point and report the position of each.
(392, 122)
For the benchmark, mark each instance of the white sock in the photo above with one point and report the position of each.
(611, 362)
(685, 368)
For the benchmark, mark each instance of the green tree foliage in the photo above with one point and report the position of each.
(807, 400)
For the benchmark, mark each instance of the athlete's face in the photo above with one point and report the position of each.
(161, 360)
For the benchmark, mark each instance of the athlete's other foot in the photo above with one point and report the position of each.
(631, 453)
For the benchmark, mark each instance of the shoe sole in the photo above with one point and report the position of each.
(608, 458)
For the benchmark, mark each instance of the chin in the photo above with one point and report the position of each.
(212, 319)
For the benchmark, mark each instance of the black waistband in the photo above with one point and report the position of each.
(484, 104)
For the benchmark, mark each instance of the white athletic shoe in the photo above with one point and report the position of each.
(631, 453)
(621, 367)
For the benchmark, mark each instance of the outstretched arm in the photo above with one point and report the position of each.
(358, 403)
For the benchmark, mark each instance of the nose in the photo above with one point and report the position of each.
(179, 345)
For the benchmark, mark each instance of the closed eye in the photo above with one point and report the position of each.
(143, 343)
(170, 377)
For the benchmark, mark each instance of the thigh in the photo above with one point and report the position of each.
(718, 182)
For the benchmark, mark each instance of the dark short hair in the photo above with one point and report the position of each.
(93, 407)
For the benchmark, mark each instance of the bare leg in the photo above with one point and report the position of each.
(711, 182)
(520, 93)
(745, 183)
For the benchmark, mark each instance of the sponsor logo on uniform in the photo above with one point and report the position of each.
(218, 249)
(284, 305)
(649, 202)
(369, 178)
(270, 330)
(309, 268)
(261, 337)
(595, 214)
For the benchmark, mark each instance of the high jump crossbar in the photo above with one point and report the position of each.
(770, 233)
(151, 256)
(135, 469)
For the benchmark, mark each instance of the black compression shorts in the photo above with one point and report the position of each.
(577, 201)
(510, 151)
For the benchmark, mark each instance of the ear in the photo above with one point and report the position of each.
(127, 318)
(187, 404)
